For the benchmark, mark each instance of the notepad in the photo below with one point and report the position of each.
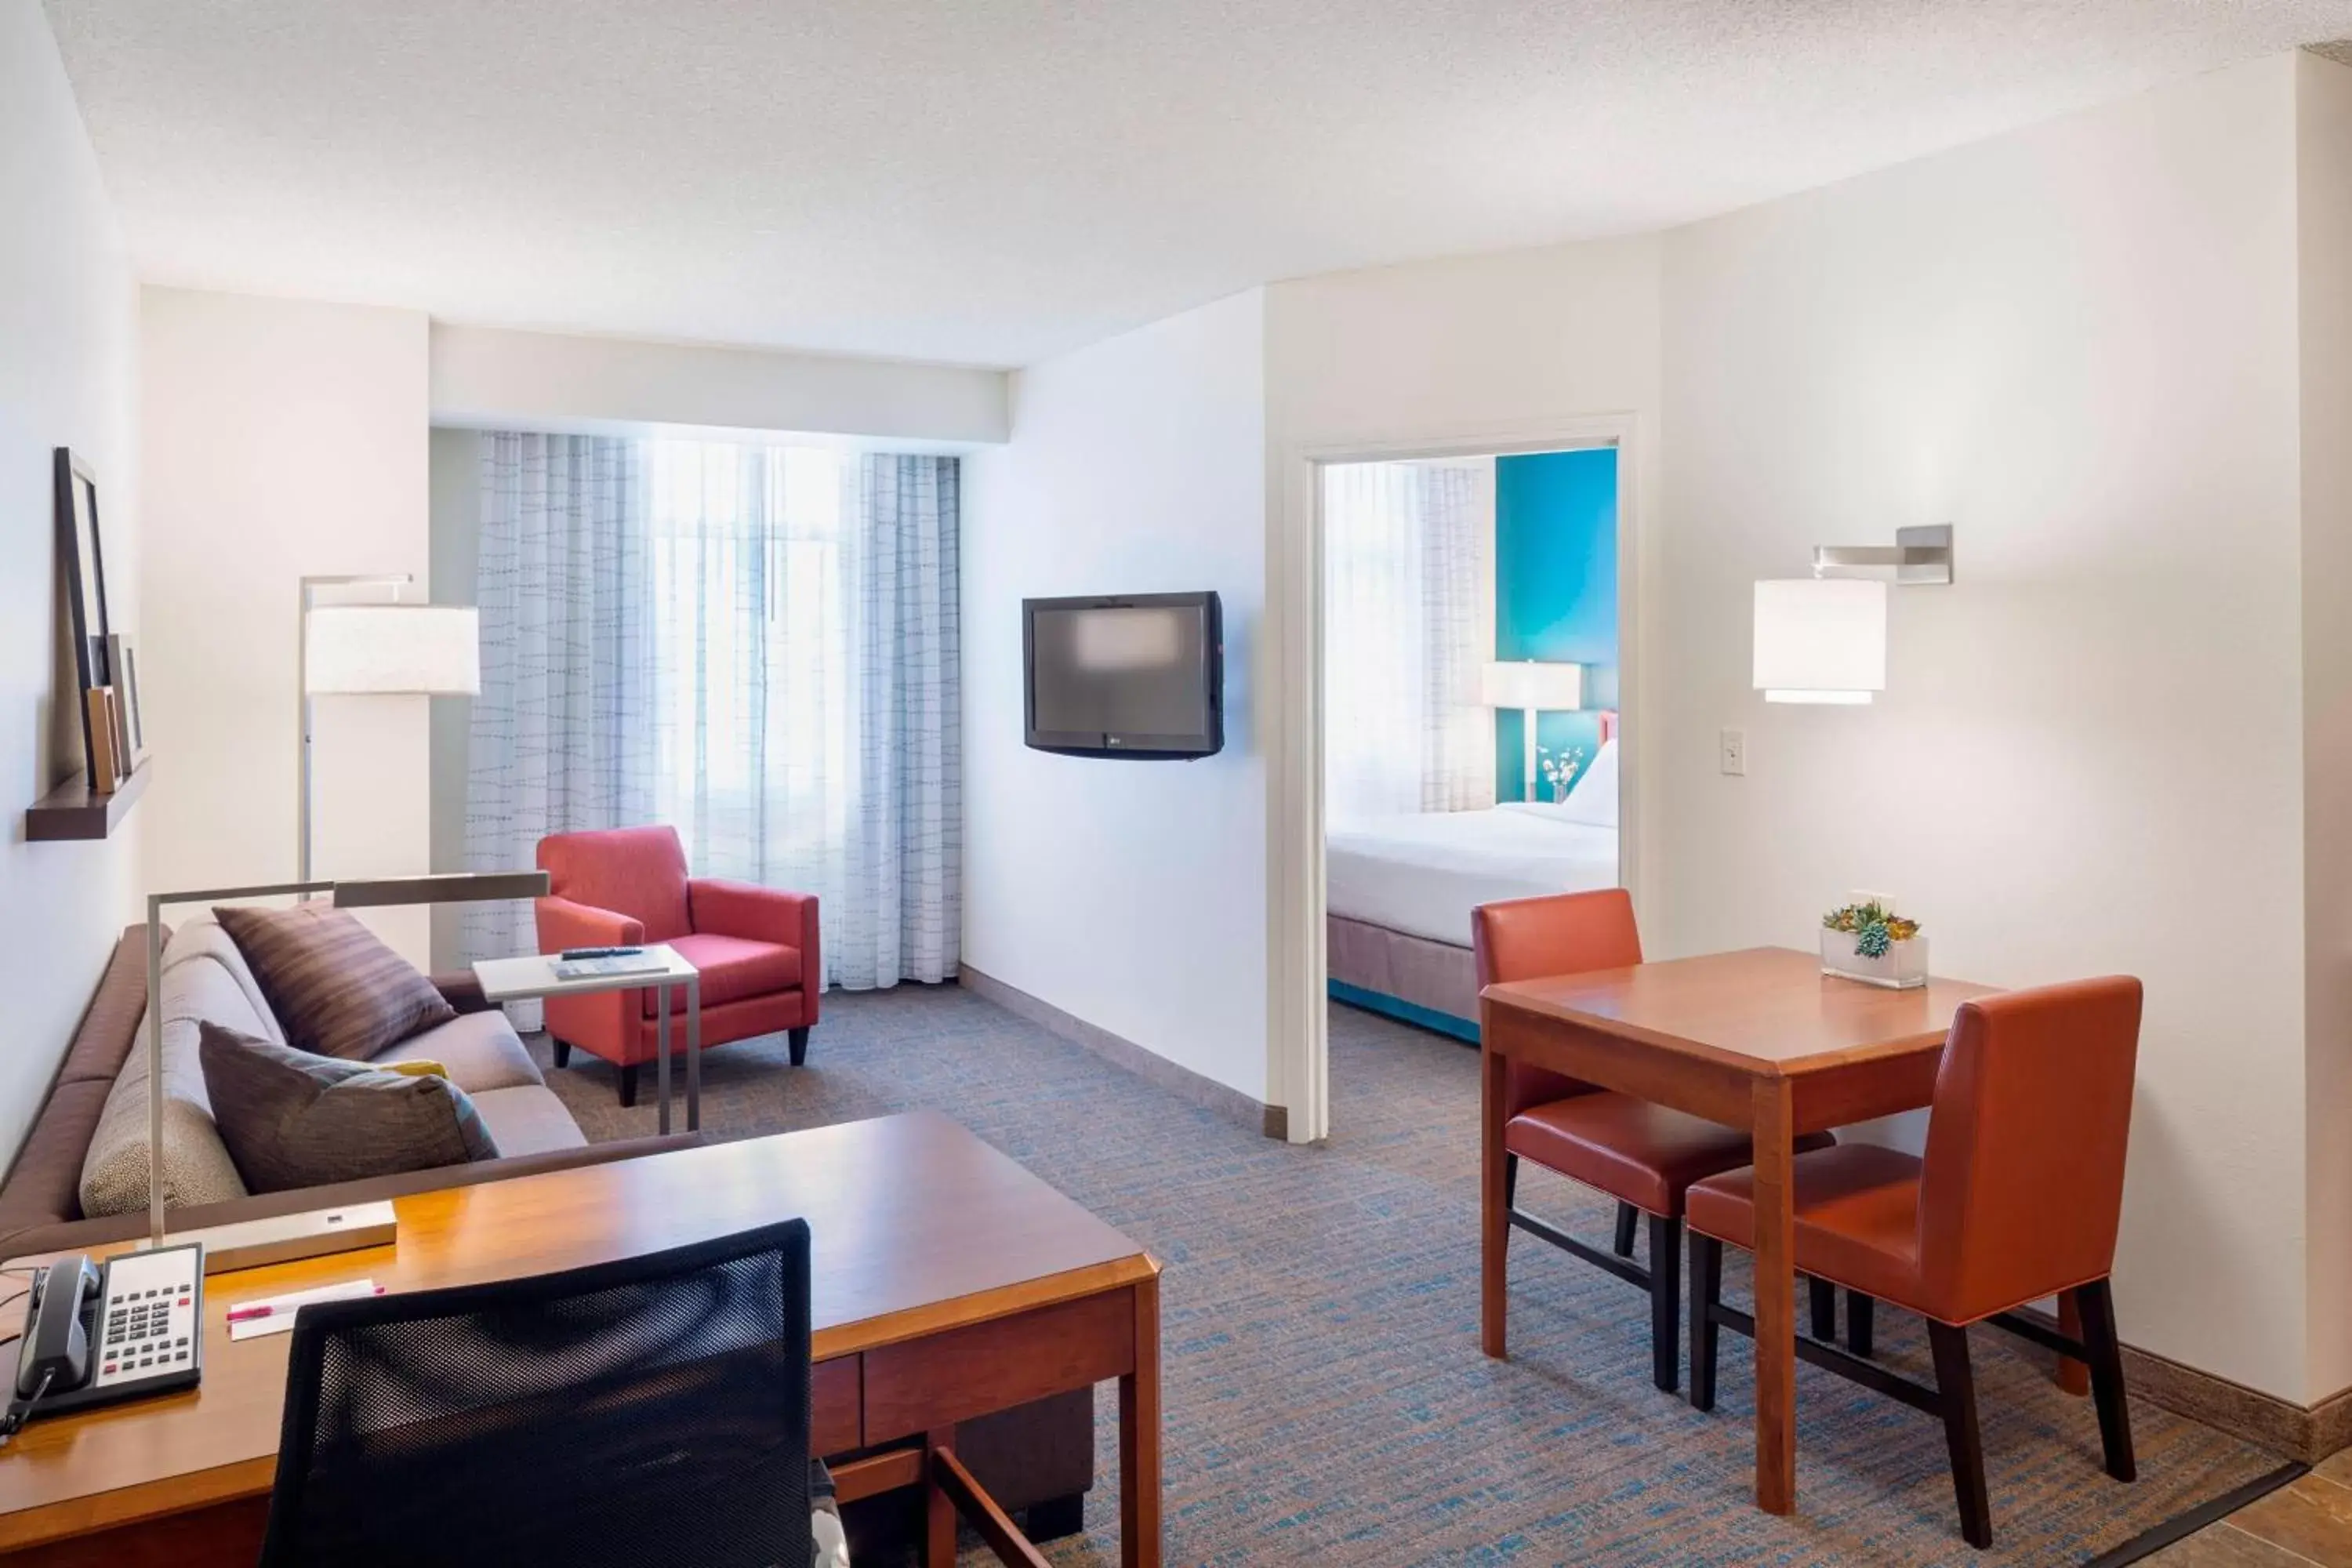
(282, 1309)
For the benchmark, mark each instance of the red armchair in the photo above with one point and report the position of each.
(756, 947)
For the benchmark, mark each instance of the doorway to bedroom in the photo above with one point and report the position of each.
(1470, 691)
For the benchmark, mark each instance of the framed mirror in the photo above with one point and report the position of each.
(83, 564)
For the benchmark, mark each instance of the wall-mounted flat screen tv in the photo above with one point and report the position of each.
(1141, 675)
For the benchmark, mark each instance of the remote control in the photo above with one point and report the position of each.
(571, 952)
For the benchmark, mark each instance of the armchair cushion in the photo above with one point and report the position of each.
(734, 969)
(639, 872)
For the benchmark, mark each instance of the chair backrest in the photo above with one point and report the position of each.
(635, 872)
(2023, 1188)
(1562, 934)
(649, 1411)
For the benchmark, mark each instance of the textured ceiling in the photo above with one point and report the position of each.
(994, 181)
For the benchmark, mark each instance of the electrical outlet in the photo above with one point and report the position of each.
(1734, 753)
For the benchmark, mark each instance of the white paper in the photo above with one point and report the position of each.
(282, 1320)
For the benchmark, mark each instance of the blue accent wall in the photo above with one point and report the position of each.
(1556, 591)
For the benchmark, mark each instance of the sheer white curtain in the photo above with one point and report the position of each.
(1404, 597)
(561, 735)
(754, 643)
(806, 664)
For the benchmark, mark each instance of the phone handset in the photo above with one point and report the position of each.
(54, 1354)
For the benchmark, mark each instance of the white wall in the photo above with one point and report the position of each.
(491, 379)
(2078, 345)
(2323, 180)
(284, 438)
(69, 378)
(1129, 894)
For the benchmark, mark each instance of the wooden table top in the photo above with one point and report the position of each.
(915, 1226)
(1764, 1011)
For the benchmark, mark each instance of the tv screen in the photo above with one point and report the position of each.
(1138, 676)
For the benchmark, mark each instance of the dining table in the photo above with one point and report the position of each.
(1759, 1039)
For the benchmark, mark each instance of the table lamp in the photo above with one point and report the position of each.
(1532, 686)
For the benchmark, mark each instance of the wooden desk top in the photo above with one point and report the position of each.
(915, 1226)
(1763, 1011)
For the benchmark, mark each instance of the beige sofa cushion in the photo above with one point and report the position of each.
(203, 978)
(528, 1122)
(479, 1050)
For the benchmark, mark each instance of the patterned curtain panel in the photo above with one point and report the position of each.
(804, 675)
(1404, 583)
(563, 730)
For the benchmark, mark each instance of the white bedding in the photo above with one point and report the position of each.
(1422, 874)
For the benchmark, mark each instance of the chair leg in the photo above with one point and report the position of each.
(2096, 1303)
(628, 1086)
(1665, 1302)
(562, 1052)
(1956, 1390)
(1628, 1217)
(1824, 1310)
(798, 1040)
(1705, 1290)
(1860, 1320)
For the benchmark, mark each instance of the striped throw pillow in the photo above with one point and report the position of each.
(336, 990)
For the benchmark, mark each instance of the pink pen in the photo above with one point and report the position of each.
(249, 1314)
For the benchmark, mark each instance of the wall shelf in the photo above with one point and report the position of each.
(73, 811)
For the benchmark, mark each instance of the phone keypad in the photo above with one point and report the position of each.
(150, 1332)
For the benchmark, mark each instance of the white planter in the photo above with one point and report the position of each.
(1903, 967)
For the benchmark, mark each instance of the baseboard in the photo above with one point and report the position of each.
(1230, 1104)
(2305, 1432)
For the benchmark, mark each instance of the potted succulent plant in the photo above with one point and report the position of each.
(1872, 943)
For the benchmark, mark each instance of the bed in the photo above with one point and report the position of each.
(1398, 891)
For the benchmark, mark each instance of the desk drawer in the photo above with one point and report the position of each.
(942, 1379)
(833, 1399)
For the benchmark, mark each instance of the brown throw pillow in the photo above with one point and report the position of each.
(294, 1120)
(336, 989)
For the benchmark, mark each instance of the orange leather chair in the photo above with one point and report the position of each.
(1644, 1155)
(2018, 1198)
(756, 947)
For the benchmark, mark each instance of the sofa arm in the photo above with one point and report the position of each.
(758, 914)
(563, 923)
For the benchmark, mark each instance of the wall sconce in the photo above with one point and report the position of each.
(1823, 638)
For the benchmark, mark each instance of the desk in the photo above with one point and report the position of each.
(1759, 1039)
(947, 1283)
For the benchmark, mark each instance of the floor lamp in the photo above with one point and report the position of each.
(381, 892)
(392, 649)
(1532, 686)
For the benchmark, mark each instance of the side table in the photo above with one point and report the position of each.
(532, 977)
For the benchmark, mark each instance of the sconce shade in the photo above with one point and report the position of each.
(1532, 684)
(429, 650)
(1821, 640)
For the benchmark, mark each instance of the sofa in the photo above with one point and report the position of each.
(1039, 1457)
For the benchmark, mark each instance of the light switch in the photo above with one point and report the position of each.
(1735, 751)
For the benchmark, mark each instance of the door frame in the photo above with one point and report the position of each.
(1298, 1047)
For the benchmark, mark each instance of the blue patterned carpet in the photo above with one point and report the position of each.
(1326, 1399)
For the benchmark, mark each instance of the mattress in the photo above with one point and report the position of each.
(1422, 874)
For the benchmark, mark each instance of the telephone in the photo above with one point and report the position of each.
(96, 1333)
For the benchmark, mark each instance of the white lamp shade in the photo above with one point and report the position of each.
(429, 650)
(1821, 640)
(1532, 684)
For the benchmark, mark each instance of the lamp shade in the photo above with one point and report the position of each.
(1821, 640)
(1532, 684)
(429, 650)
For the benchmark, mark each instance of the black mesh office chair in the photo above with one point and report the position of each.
(651, 1410)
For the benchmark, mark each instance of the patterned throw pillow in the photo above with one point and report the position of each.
(336, 989)
(293, 1119)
